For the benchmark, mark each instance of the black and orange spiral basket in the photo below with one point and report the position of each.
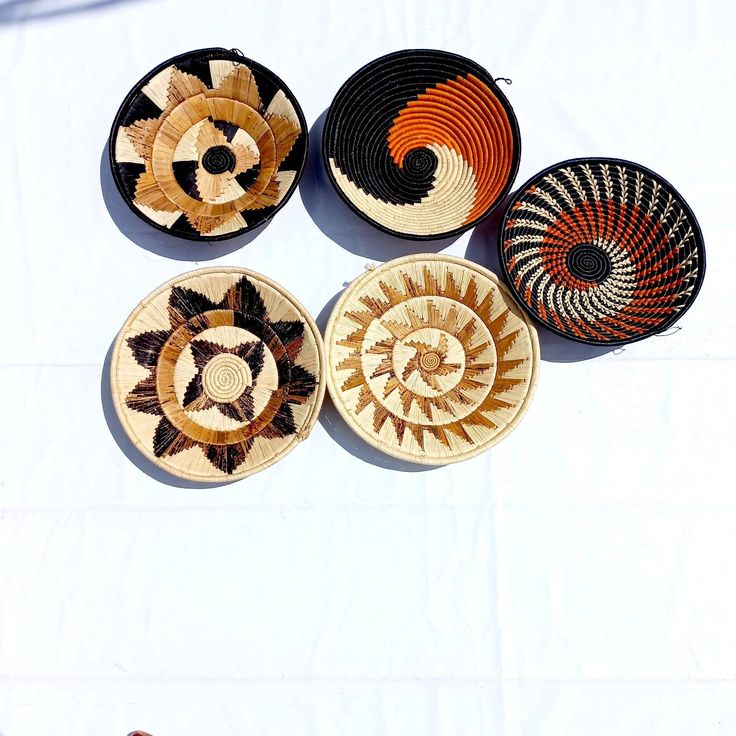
(421, 143)
(602, 251)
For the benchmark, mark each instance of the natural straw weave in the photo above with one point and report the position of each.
(430, 360)
(602, 251)
(422, 144)
(218, 374)
(208, 145)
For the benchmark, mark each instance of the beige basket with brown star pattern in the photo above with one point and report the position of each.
(430, 360)
(218, 374)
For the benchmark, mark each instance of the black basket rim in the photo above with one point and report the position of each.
(515, 132)
(212, 52)
(697, 232)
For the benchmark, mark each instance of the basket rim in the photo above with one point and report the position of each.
(118, 400)
(698, 234)
(211, 52)
(515, 132)
(368, 437)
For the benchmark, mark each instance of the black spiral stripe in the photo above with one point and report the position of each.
(362, 114)
(602, 251)
(475, 121)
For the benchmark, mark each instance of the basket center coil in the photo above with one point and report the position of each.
(420, 164)
(218, 160)
(589, 263)
(225, 378)
(429, 361)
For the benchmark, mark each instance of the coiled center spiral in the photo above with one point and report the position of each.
(420, 163)
(589, 263)
(225, 378)
(218, 160)
(430, 361)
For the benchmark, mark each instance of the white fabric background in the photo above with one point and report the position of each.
(577, 579)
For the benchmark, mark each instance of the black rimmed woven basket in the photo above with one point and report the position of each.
(421, 143)
(602, 251)
(208, 145)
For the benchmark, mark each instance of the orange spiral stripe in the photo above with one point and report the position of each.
(464, 115)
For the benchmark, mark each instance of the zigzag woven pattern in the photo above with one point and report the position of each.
(208, 145)
(217, 374)
(430, 360)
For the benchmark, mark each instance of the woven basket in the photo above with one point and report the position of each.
(217, 374)
(430, 360)
(421, 144)
(208, 145)
(602, 251)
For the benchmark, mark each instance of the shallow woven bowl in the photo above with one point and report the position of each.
(208, 145)
(217, 374)
(429, 359)
(602, 251)
(422, 144)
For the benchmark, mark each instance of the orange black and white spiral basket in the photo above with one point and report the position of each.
(218, 374)
(421, 143)
(208, 145)
(602, 251)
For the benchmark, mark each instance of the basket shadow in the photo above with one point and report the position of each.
(483, 249)
(22, 11)
(128, 448)
(333, 423)
(156, 241)
(339, 223)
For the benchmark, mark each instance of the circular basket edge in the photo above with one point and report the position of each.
(303, 433)
(233, 56)
(368, 438)
(596, 159)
